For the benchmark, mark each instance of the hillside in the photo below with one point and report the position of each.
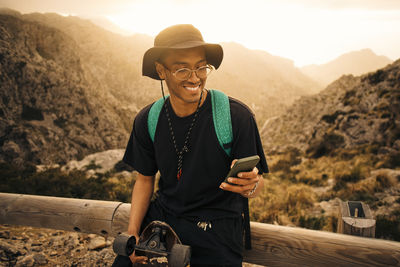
(267, 83)
(355, 63)
(70, 88)
(350, 112)
(48, 112)
(339, 145)
(245, 74)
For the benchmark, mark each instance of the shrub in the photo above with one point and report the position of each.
(362, 195)
(298, 197)
(54, 182)
(311, 181)
(31, 113)
(392, 161)
(376, 77)
(383, 181)
(330, 118)
(349, 98)
(281, 165)
(92, 166)
(291, 158)
(329, 143)
(388, 227)
(353, 176)
(311, 222)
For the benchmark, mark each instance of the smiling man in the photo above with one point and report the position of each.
(181, 142)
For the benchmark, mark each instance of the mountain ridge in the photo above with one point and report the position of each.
(49, 56)
(104, 69)
(47, 112)
(355, 62)
(354, 110)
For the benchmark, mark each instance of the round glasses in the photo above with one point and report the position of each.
(185, 73)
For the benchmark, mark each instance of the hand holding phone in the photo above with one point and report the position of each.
(242, 165)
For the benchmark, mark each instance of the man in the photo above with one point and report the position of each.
(205, 212)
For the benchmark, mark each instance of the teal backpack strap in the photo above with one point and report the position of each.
(152, 119)
(223, 127)
(222, 119)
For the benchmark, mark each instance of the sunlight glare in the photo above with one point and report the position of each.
(303, 34)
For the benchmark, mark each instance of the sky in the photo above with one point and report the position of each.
(305, 31)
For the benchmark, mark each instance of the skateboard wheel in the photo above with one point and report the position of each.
(180, 256)
(124, 245)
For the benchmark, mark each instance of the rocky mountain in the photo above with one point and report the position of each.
(70, 88)
(355, 63)
(350, 112)
(48, 111)
(267, 83)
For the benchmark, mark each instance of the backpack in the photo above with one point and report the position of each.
(221, 117)
(223, 128)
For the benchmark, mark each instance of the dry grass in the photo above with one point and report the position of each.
(294, 190)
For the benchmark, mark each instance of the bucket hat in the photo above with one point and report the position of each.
(179, 37)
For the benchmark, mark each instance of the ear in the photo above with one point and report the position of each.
(160, 70)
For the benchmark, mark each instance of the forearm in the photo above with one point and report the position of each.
(141, 195)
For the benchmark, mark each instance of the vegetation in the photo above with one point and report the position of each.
(388, 226)
(343, 179)
(293, 194)
(326, 145)
(75, 184)
(299, 184)
(92, 166)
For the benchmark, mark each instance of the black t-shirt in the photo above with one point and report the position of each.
(196, 194)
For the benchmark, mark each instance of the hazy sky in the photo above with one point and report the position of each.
(306, 31)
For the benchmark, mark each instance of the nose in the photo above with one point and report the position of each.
(193, 77)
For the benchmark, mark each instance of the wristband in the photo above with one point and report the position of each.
(254, 189)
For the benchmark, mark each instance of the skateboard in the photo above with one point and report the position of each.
(158, 242)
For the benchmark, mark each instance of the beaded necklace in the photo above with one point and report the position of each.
(184, 149)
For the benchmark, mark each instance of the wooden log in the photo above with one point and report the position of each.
(275, 245)
(272, 245)
(81, 215)
(121, 219)
(355, 218)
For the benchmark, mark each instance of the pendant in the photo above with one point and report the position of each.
(179, 174)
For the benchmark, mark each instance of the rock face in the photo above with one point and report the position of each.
(47, 112)
(350, 112)
(69, 88)
(100, 162)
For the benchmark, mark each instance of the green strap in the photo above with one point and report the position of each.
(154, 113)
(222, 119)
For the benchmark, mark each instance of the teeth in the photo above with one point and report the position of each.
(192, 88)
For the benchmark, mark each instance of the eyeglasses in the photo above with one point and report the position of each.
(185, 73)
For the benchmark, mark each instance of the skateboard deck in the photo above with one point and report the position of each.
(158, 242)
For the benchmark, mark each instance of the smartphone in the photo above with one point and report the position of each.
(242, 165)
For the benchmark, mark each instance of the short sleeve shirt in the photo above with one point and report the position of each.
(196, 194)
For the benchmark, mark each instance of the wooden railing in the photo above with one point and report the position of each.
(273, 245)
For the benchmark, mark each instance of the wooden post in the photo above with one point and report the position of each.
(80, 215)
(355, 218)
(273, 245)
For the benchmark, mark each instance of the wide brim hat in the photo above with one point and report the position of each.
(179, 37)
